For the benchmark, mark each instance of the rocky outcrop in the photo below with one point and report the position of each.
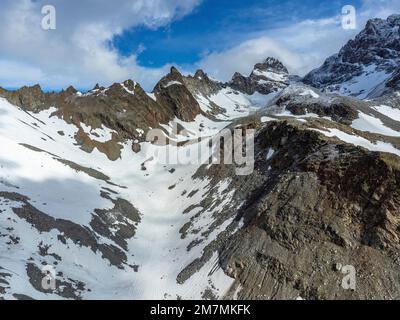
(321, 205)
(303, 100)
(394, 81)
(172, 93)
(200, 83)
(266, 77)
(27, 97)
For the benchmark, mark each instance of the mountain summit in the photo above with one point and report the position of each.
(118, 215)
(266, 77)
(364, 65)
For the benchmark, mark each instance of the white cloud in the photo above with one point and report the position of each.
(301, 46)
(243, 57)
(379, 8)
(78, 51)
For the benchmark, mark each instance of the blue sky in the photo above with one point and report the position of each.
(103, 41)
(216, 25)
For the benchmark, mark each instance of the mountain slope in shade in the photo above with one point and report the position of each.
(82, 190)
(366, 66)
(88, 199)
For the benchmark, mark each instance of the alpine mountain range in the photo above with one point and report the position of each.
(80, 197)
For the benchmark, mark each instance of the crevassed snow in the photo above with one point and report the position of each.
(371, 124)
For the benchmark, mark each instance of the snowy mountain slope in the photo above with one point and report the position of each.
(102, 223)
(366, 66)
(376, 127)
(319, 202)
(266, 77)
(240, 97)
(82, 190)
(58, 184)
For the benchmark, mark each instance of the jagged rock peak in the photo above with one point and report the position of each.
(267, 77)
(372, 56)
(34, 88)
(130, 84)
(97, 87)
(237, 75)
(171, 92)
(200, 74)
(71, 90)
(271, 64)
(394, 19)
(174, 71)
(174, 77)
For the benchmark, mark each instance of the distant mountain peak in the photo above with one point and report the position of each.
(200, 74)
(174, 71)
(266, 77)
(271, 64)
(371, 57)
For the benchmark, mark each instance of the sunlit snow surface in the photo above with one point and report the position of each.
(371, 124)
(61, 192)
(393, 113)
(359, 141)
(363, 85)
(160, 193)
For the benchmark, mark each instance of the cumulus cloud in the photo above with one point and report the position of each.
(222, 65)
(301, 46)
(78, 52)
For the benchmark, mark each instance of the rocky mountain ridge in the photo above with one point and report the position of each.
(365, 66)
(83, 193)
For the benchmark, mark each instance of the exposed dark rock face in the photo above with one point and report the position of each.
(29, 97)
(375, 49)
(4, 284)
(123, 107)
(81, 235)
(296, 100)
(172, 93)
(312, 205)
(321, 204)
(270, 64)
(200, 83)
(266, 77)
(394, 81)
(66, 288)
